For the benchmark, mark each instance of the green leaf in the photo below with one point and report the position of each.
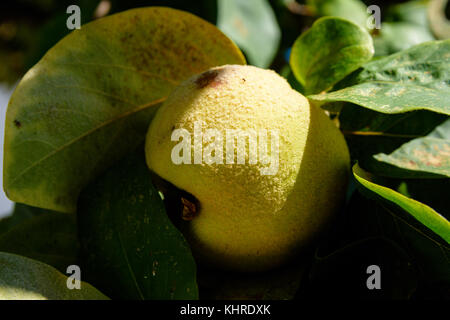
(387, 40)
(26, 279)
(353, 10)
(253, 26)
(89, 100)
(409, 124)
(330, 50)
(368, 133)
(20, 214)
(414, 12)
(413, 79)
(433, 192)
(430, 154)
(49, 237)
(129, 247)
(427, 218)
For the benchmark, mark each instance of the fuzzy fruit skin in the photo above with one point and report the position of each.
(248, 221)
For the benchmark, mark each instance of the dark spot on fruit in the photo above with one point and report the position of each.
(243, 80)
(207, 78)
(17, 123)
(190, 209)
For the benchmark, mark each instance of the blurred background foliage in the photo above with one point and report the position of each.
(265, 30)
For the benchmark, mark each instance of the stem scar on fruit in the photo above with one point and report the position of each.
(189, 209)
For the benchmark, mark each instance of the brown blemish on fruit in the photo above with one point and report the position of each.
(207, 78)
(189, 209)
(17, 123)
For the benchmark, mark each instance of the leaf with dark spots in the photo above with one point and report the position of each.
(425, 155)
(414, 79)
(129, 247)
(90, 99)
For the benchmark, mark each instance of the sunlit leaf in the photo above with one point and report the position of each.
(432, 223)
(413, 79)
(330, 50)
(26, 279)
(90, 99)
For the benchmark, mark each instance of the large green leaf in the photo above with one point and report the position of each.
(413, 79)
(90, 99)
(353, 10)
(49, 237)
(369, 132)
(129, 248)
(330, 50)
(26, 279)
(429, 154)
(253, 26)
(433, 224)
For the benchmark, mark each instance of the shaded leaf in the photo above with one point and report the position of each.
(413, 79)
(372, 218)
(20, 214)
(49, 237)
(369, 132)
(431, 223)
(90, 99)
(409, 124)
(26, 279)
(342, 273)
(253, 26)
(126, 235)
(330, 50)
(429, 154)
(278, 284)
(353, 10)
